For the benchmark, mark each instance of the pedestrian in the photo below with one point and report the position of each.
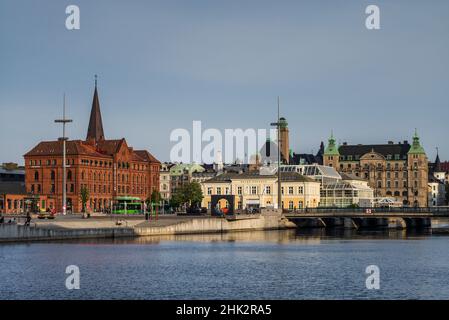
(28, 220)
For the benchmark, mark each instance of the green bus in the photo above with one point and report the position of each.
(127, 205)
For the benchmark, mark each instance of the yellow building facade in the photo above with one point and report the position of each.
(253, 190)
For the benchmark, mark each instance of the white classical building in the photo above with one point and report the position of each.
(259, 189)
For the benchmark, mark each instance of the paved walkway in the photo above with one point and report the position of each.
(76, 222)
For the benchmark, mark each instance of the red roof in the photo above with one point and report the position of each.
(144, 154)
(54, 148)
(444, 166)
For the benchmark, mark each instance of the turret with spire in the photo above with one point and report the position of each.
(416, 146)
(331, 155)
(95, 130)
(418, 175)
(332, 148)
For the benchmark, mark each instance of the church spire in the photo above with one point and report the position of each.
(437, 164)
(95, 129)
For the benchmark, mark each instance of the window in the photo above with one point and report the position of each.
(69, 175)
(36, 176)
(218, 190)
(209, 190)
(290, 205)
(290, 190)
(253, 190)
(301, 190)
(239, 190)
(268, 189)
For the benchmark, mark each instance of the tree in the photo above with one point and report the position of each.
(155, 196)
(84, 197)
(193, 194)
(189, 194)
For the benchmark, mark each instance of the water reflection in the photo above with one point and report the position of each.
(303, 236)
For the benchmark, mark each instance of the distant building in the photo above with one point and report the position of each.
(254, 190)
(12, 172)
(109, 169)
(439, 169)
(308, 158)
(437, 192)
(392, 170)
(12, 188)
(164, 181)
(181, 174)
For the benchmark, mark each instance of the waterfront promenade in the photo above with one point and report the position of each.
(116, 226)
(102, 226)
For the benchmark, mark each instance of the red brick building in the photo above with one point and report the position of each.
(108, 168)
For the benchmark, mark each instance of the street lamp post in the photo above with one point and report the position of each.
(64, 120)
(278, 125)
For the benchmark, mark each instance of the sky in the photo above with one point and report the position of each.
(163, 64)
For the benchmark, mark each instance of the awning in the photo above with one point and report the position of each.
(253, 201)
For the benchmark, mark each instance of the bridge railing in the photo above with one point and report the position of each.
(436, 211)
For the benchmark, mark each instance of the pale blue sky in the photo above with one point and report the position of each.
(162, 64)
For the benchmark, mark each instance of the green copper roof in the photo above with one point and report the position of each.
(189, 168)
(332, 148)
(416, 146)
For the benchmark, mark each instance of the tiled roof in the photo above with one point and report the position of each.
(109, 147)
(54, 148)
(146, 155)
(384, 149)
